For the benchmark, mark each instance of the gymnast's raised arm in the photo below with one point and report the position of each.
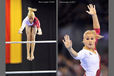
(92, 12)
(68, 44)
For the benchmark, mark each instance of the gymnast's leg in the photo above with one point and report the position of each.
(28, 33)
(33, 35)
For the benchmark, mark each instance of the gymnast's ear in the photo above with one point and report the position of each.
(32, 9)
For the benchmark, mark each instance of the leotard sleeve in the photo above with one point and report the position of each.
(36, 22)
(81, 55)
(24, 23)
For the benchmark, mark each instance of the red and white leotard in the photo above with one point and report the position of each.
(25, 22)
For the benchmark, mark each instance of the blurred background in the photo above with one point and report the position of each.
(74, 21)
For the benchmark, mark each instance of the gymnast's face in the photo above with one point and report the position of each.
(31, 19)
(89, 41)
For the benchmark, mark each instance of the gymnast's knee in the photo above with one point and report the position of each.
(33, 37)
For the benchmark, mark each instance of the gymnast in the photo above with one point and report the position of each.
(32, 24)
(88, 56)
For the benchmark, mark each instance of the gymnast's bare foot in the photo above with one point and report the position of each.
(32, 57)
(28, 58)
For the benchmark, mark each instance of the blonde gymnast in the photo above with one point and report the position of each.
(32, 24)
(88, 56)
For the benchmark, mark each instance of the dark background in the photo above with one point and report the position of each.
(74, 21)
(45, 54)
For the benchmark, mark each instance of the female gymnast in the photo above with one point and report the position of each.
(32, 24)
(88, 56)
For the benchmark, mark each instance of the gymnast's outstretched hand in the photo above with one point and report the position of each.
(67, 42)
(92, 10)
(39, 31)
(20, 31)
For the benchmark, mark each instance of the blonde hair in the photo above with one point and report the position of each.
(31, 12)
(97, 36)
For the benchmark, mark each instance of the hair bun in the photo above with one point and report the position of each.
(32, 9)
